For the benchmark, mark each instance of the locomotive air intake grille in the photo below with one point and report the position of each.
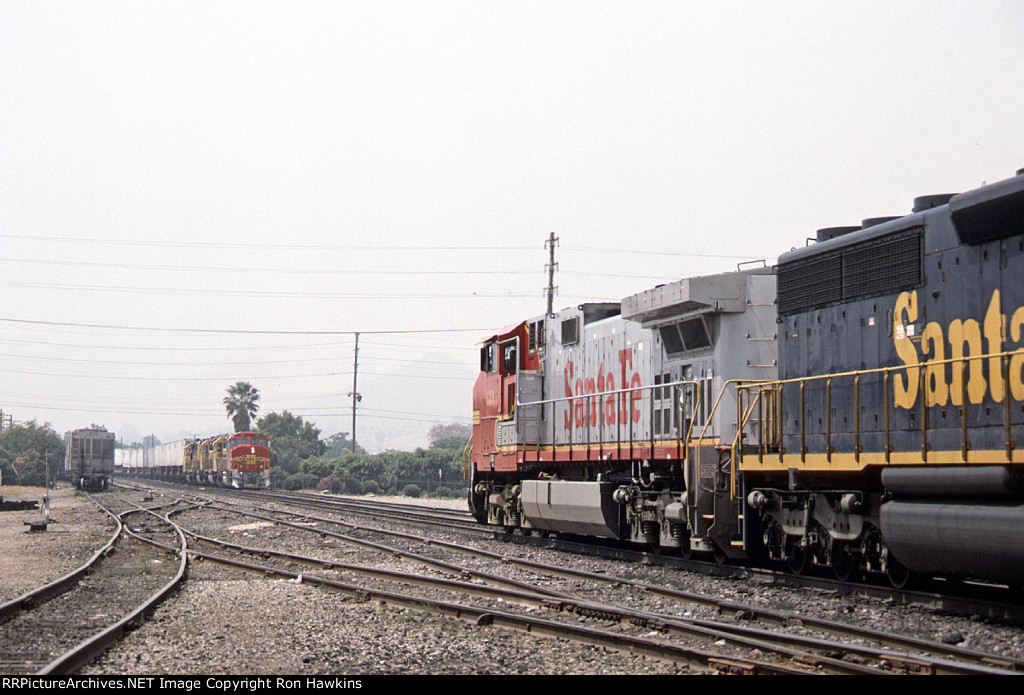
(870, 269)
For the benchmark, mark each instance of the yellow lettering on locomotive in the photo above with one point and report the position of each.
(995, 331)
(936, 390)
(905, 312)
(1017, 361)
(974, 351)
(966, 334)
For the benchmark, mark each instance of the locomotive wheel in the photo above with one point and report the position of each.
(477, 503)
(479, 514)
(899, 576)
(843, 562)
(684, 546)
(796, 559)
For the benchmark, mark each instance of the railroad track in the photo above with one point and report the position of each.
(762, 630)
(498, 593)
(968, 599)
(57, 628)
(412, 513)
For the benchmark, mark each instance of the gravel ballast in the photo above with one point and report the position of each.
(77, 528)
(227, 622)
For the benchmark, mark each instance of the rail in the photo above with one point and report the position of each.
(58, 586)
(92, 646)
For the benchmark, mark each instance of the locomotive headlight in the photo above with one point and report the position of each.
(253, 450)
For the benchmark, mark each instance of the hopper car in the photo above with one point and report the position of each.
(89, 461)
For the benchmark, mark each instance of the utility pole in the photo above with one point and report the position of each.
(551, 265)
(356, 396)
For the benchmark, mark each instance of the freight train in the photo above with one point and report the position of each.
(89, 462)
(858, 407)
(240, 460)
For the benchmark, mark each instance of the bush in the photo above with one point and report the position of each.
(370, 487)
(277, 478)
(412, 490)
(331, 484)
(301, 481)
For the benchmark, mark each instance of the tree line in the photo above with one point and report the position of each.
(299, 458)
(27, 450)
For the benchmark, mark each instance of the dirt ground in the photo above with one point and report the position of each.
(76, 529)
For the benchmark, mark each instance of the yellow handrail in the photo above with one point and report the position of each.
(924, 371)
(467, 452)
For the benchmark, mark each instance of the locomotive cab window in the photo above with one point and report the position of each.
(509, 357)
(686, 336)
(695, 334)
(570, 331)
(671, 340)
(536, 336)
(487, 358)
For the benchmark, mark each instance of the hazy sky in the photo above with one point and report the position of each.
(172, 173)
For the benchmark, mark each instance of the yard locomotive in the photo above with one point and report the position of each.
(240, 460)
(859, 407)
(89, 462)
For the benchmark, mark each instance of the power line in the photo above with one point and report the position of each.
(140, 363)
(248, 268)
(127, 289)
(264, 271)
(118, 377)
(373, 414)
(285, 247)
(342, 247)
(638, 252)
(234, 363)
(113, 377)
(238, 331)
(444, 419)
(234, 348)
(417, 347)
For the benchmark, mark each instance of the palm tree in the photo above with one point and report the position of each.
(242, 404)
